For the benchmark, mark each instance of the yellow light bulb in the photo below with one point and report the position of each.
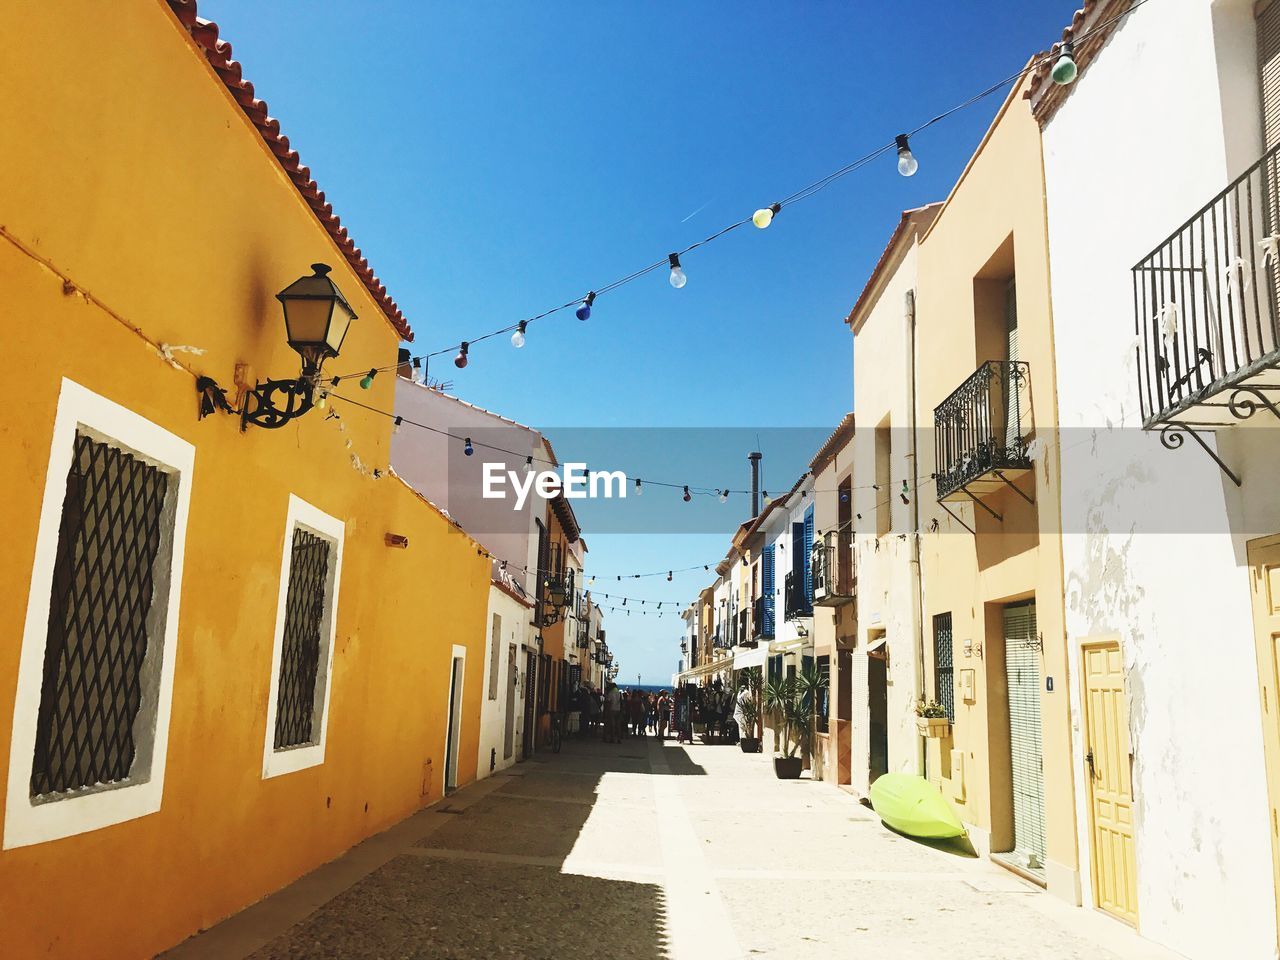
(762, 217)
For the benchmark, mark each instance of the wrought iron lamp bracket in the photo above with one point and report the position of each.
(276, 402)
(1174, 435)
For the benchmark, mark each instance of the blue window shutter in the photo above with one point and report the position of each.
(808, 553)
(767, 577)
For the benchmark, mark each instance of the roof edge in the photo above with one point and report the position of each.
(217, 53)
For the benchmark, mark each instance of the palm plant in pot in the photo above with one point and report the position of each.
(789, 702)
(750, 683)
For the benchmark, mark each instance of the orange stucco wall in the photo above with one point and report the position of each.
(131, 174)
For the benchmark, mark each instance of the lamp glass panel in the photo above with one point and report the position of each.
(307, 321)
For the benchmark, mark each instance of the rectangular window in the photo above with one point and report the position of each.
(95, 672)
(822, 709)
(496, 642)
(109, 538)
(944, 665)
(883, 492)
(302, 652)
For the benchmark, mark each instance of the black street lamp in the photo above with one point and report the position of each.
(316, 319)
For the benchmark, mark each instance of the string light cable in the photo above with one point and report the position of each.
(1061, 55)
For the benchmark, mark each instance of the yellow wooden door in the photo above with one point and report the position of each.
(1108, 770)
(1264, 562)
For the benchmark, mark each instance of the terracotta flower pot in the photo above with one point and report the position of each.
(787, 768)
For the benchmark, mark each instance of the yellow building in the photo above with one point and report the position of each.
(213, 683)
(988, 493)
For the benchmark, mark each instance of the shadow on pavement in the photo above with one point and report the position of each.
(512, 874)
(957, 846)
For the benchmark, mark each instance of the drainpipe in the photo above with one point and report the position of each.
(916, 586)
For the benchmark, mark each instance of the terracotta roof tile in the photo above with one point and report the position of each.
(218, 53)
(1044, 94)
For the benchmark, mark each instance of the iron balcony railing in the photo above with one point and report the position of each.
(761, 623)
(584, 634)
(1206, 312)
(834, 581)
(983, 430)
(798, 602)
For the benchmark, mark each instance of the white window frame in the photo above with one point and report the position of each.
(26, 822)
(303, 515)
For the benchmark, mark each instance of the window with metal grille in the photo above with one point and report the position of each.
(822, 709)
(301, 646)
(111, 532)
(944, 665)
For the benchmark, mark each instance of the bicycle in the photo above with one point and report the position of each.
(554, 734)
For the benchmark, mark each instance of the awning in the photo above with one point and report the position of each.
(705, 670)
(790, 646)
(750, 658)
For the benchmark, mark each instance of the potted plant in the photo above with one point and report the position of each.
(790, 703)
(750, 684)
(931, 719)
(749, 711)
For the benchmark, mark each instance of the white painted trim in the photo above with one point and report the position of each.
(302, 514)
(454, 707)
(26, 822)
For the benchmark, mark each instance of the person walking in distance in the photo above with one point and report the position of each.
(612, 709)
(637, 713)
(664, 714)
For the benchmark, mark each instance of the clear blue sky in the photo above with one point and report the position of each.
(496, 159)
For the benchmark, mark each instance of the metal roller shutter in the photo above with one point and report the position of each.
(1022, 670)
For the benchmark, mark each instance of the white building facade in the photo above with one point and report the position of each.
(1164, 306)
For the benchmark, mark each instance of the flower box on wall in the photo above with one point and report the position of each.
(937, 727)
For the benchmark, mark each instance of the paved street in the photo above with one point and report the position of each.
(662, 852)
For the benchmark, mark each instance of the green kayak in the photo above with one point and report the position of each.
(912, 805)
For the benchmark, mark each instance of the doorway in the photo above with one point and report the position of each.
(1026, 752)
(1108, 773)
(454, 719)
(530, 685)
(877, 707)
(509, 718)
(844, 717)
(1264, 583)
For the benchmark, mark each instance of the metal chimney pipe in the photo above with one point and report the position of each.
(755, 482)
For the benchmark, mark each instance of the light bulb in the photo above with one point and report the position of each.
(639, 488)
(367, 381)
(460, 360)
(764, 216)
(517, 338)
(396, 428)
(907, 164)
(1065, 70)
(687, 495)
(584, 311)
(724, 495)
(323, 401)
(528, 464)
(678, 279)
(467, 448)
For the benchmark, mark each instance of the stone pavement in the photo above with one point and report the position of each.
(644, 851)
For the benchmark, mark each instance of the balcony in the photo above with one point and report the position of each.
(743, 637)
(761, 620)
(584, 634)
(982, 432)
(1207, 317)
(798, 602)
(834, 581)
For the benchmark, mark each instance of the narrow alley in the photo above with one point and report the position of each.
(659, 852)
